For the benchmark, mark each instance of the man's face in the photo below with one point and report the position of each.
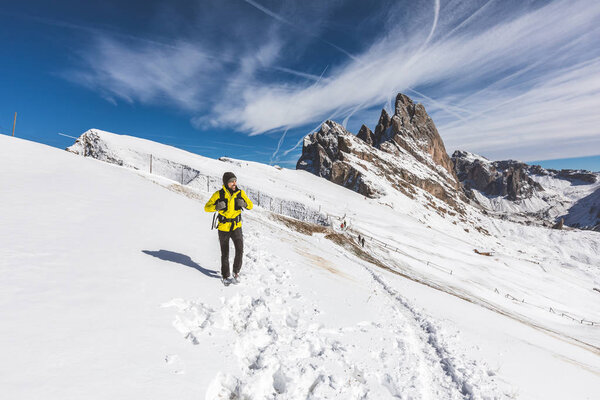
(232, 184)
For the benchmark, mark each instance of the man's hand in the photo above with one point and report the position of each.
(220, 205)
(239, 202)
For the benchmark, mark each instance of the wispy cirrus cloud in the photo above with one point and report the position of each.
(503, 78)
(459, 64)
(148, 72)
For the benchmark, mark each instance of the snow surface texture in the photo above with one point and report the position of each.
(108, 277)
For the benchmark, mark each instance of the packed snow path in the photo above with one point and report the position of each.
(285, 351)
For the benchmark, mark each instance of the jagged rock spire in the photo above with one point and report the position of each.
(365, 134)
(382, 127)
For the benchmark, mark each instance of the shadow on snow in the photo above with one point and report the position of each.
(182, 259)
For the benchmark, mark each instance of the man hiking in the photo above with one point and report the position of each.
(228, 202)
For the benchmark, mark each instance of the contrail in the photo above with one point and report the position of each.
(115, 33)
(320, 77)
(312, 77)
(278, 146)
(298, 143)
(285, 21)
(468, 19)
(436, 15)
(358, 107)
(440, 105)
(62, 134)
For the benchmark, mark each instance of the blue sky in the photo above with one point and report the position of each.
(249, 78)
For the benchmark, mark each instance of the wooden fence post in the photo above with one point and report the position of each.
(14, 123)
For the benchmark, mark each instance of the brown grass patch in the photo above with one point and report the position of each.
(306, 228)
(323, 263)
(184, 191)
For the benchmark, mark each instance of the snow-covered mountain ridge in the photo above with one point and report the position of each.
(529, 193)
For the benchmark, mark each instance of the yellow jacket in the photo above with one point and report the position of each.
(229, 212)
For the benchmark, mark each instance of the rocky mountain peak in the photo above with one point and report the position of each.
(404, 106)
(413, 129)
(401, 147)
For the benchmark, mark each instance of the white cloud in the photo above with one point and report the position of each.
(148, 72)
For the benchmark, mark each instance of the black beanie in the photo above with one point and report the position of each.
(228, 176)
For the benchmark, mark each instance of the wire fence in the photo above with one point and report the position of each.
(196, 179)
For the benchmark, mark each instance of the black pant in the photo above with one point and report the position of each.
(238, 242)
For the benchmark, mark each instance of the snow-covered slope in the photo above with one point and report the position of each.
(576, 201)
(110, 289)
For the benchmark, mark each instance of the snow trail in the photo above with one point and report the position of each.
(284, 353)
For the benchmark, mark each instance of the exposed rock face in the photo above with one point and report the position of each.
(91, 145)
(405, 149)
(366, 134)
(381, 130)
(576, 175)
(324, 154)
(559, 224)
(494, 178)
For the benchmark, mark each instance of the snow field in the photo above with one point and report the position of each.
(111, 278)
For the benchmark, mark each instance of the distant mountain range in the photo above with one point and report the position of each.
(405, 152)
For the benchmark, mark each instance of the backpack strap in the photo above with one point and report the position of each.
(216, 215)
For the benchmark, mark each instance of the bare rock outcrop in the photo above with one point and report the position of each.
(559, 224)
(506, 178)
(90, 144)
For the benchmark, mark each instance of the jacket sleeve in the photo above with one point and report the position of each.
(248, 201)
(210, 204)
